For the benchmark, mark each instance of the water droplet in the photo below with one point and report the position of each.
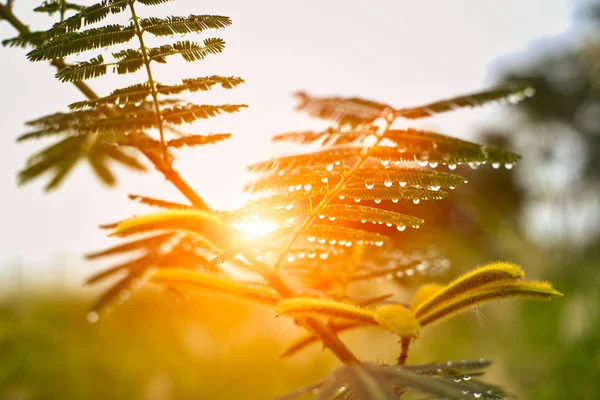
(387, 183)
(301, 254)
(434, 188)
(395, 200)
(477, 395)
(311, 239)
(298, 187)
(312, 254)
(338, 162)
(399, 274)
(341, 197)
(401, 228)
(321, 240)
(93, 317)
(363, 221)
(529, 92)
(357, 200)
(290, 188)
(423, 163)
(369, 184)
(379, 243)
(324, 180)
(474, 164)
(410, 272)
(416, 201)
(388, 224)
(466, 378)
(377, 201)
(290, 257)
(289, 206)
(449, 363)
(451, 187)
(332, 242)
(496, 165)
(348, 244)
(451, 167)
(323, 256)
(402, 184)
(385, 163)
(508, 166)
(321, 216)
(260, 257)
(331, 218)
(329, 167)
(307, 187)
(433, 164)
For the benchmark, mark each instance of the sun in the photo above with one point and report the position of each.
(256, 228)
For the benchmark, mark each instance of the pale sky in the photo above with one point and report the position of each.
(402, 52)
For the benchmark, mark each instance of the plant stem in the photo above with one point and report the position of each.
(404, 346)
(329, 338)
(151, 82)
(161, 164)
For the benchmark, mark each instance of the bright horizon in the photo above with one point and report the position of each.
(399, 52)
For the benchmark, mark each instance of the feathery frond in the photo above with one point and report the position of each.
(77, 42)
(182, 25)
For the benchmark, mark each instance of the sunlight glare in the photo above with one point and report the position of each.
(256, 228)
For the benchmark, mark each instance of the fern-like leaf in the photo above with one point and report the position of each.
(159, 203)
(83, 70)
(139, 92)
(198, 140)
(77, 42)
(87, 16)
(343, 236)
(512, 93)
(182, 25)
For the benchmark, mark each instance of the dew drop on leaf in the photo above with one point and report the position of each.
(433, 164)
(451, 167)
(93, 317)
(508, 166)
(369, 184)
(402, 184)
(496, 165)
(416, 201)
(329, 167)
(401, 228)
(387, 183)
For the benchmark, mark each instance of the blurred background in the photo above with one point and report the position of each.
(544, 214)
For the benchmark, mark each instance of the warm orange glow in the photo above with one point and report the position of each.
(256, 228)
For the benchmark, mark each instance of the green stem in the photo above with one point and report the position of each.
(160, 163)
(151, 82)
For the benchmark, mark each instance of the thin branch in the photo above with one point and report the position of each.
(151, 82)
(160, 164)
